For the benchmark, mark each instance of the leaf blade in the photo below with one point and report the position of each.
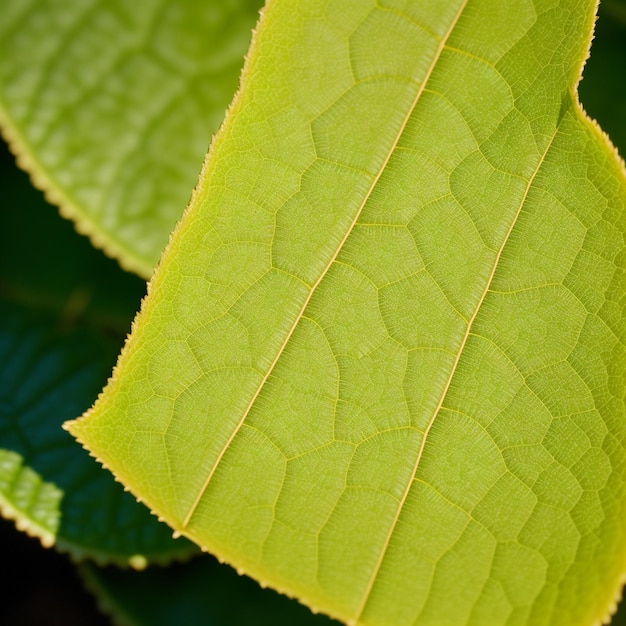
(376, 356)
(332, 259)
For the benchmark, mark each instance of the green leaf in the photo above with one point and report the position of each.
(25, 498)
(49, 486)
(110, 107)
(186, 594)
(383, 357)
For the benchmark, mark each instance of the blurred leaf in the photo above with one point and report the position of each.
(33, 504)
(51, 487)
(603, 88)
(44, 265)
(111, 105)
(615, 10)
(187, 594)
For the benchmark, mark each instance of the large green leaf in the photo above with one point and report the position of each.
(110, 106)
(382, 360)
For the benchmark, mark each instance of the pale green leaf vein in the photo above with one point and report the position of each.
(444, 393)
(405, 121)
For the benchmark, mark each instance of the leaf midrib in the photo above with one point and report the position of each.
(383, 167)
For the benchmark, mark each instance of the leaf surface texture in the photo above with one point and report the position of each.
(383, 356)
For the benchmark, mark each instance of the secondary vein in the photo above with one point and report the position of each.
(297, 319)
(444, 393)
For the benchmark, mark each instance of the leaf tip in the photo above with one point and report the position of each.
(69, 426)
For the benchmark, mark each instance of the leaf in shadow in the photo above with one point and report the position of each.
(44, 266)
(186, 594)
(52, 488)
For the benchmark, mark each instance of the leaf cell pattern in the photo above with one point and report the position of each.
(384, 355)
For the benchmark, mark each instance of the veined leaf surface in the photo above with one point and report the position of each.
(382, 361)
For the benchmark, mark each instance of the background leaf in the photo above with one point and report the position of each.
(111, 105)
(64, 311)
(44, 266)
(395, 296)
(200, 591)
(25, 498)
(53, 489)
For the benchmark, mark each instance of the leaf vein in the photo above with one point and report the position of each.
(439, 406)
(323, 273)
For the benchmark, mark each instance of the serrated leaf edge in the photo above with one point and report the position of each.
(595, 128)
(25, 523)
(68, 208)
(81, 554)
(135, 561)
(181, 533)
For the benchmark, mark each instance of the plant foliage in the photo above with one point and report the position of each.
(396, 294)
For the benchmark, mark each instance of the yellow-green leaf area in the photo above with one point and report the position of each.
(110, 107)
(394, 328)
